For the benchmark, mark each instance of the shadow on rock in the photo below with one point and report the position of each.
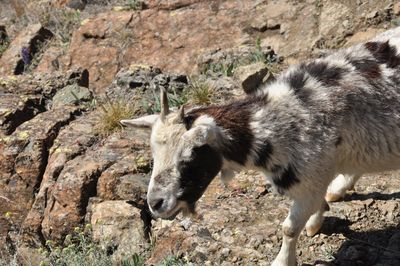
(372, 195)
(375, 247)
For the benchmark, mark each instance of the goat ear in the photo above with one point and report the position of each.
(144, 121)
(200, 135)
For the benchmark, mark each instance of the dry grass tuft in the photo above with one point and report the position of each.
(112, 112)
(200, 92)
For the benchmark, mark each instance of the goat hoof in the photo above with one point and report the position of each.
(313, 230)
(331, 197)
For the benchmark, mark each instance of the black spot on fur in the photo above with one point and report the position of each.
(368, 68)
(339, 141)
(234, 118)
(328, 75)
(263, 153)
(384, 53)
(297, 80)
(198, 172)
(188, 121)
(284, 177)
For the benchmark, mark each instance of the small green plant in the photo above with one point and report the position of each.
(225, 68)
(64, 23)
(174, 261)
(328, 252)
(3, 46)
(112, 112)
(134, 4)
(134, 260)
(80, 249)
(61, 21)
(200, 93)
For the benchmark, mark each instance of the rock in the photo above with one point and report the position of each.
(77, 183)
(77, 4)
(362, 36)
(42, 84)
(22, 49)
(128, 178)
(72, 141)
(331, 13)
(262, 24)
(23, 158)
(117, 224)
(140, 83)
(171, 4)
(273, 24)
(251, 76)
(396, 9)
(259, 24)
(156, 41)
(71, 94)
(3, 35)
(225, 252)
(388, 209)
(16, 109)
(50, 60)
(372, 15)
(88, 41)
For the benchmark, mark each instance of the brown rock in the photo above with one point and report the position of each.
(23, 158)
(363, 36)
(127, 179)
(171, 4)
(16, 109)
(331, 13)
(396, 9)
(44, 84)
(12, 62)
(251, 76)
(118, 224)
(117, 39)
(72, 141)
(77, 182)
(50, 60)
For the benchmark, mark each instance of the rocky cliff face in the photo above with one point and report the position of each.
(66, 65)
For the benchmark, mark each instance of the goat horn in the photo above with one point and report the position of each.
(164, 102)
(182, 113)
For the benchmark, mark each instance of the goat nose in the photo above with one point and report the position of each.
(156, 204)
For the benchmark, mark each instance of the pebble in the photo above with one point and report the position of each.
(225, 252)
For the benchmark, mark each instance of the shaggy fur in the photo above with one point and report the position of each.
(329, 116)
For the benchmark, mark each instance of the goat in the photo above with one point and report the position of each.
(334, 115)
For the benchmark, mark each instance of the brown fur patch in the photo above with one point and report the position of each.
(234, 118)
(367, 68)
(384, 53)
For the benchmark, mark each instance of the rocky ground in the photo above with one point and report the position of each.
(68, 66)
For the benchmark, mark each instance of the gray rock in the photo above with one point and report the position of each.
(71, 94)
(77, 4)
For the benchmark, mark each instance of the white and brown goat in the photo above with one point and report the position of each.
(338, 114)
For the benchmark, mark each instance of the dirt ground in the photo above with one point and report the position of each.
(240, 225)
